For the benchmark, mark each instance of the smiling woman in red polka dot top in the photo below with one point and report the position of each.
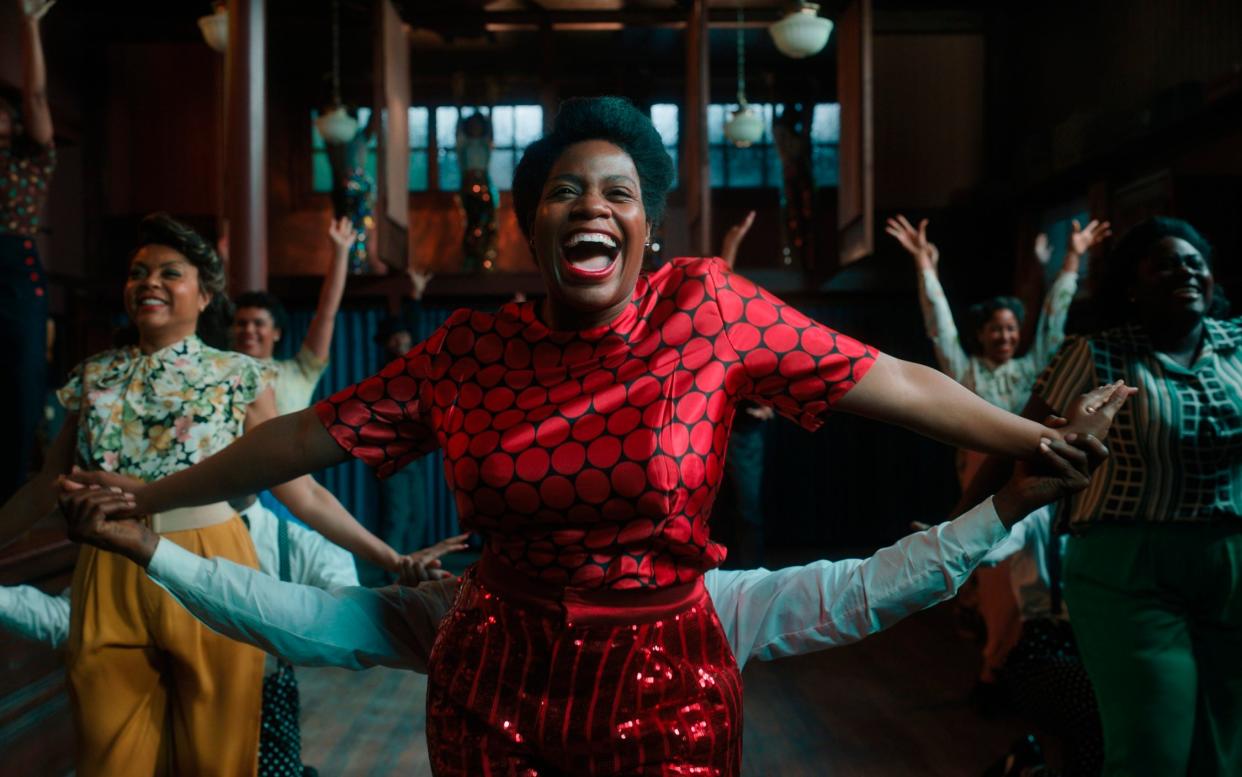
(583, 437)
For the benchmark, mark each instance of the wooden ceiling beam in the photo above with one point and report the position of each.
(460, 22)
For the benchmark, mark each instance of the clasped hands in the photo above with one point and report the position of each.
(105, 509)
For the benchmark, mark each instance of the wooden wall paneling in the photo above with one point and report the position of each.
(856, 204)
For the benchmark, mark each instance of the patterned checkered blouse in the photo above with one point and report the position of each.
(1176, 446)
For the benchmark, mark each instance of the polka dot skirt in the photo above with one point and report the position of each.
(591, 459)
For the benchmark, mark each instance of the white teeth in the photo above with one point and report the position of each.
(150, 301)
(590, 237)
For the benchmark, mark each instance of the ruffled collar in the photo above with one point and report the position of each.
(131, 361)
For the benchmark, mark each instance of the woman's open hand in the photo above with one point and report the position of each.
(926, 255)
(423, 565)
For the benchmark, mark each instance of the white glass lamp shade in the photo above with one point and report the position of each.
(744, 127)
(215, 29)
(801, 33)
(336, 126)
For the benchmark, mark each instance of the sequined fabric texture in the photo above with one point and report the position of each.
(512, 691)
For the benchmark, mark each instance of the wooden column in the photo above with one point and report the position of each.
(246, 145)
(696, 176)
(856, 197)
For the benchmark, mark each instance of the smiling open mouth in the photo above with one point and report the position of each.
(590, 255)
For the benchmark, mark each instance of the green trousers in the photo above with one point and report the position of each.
(1157, 612)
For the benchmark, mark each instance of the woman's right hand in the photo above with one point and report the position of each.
(926, 255)
(94, 517)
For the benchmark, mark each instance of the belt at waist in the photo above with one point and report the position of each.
(186, 518)
(585, 606)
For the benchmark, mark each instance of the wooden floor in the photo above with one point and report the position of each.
(892, 706)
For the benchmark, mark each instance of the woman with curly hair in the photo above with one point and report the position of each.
(153, 691)
(583, 436)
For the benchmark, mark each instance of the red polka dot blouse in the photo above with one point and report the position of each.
(591, 459)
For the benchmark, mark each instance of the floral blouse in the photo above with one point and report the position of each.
(150, 415)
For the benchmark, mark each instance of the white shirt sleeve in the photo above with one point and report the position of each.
(31, 614)
(350, 627)
(313, 560)
(787, 612)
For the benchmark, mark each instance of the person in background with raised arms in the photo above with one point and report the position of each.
(27, 159)
(997, 374)
(1153, 563)
(260, 320)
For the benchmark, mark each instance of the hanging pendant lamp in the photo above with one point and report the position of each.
(335, 125)
(802, 33)
(745, 126)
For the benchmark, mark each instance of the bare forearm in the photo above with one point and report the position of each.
(319, 335)
(928, 402)
(315, 505)
(274, 452)
(34, 85)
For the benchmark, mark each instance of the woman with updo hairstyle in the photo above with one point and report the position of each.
(1153, 566)
(154, 691)
(583, 437)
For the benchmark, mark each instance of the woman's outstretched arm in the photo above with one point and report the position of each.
(272, 453)
(926, 401)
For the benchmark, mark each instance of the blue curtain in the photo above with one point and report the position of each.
(355, 356)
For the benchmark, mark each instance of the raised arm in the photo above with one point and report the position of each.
(319, 335)
(36, 111)
(1050, 331)
(733, 239)
(937, 316)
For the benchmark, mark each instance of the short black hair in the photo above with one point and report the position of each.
(164, 230)
(981, 312)
(613, 119)
(267, 301)
(1131, 249)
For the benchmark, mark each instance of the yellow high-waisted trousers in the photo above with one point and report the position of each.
(154, 691)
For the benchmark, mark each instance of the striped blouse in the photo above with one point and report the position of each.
(1177, 445)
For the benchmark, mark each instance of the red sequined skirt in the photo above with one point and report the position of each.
(532, 681)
